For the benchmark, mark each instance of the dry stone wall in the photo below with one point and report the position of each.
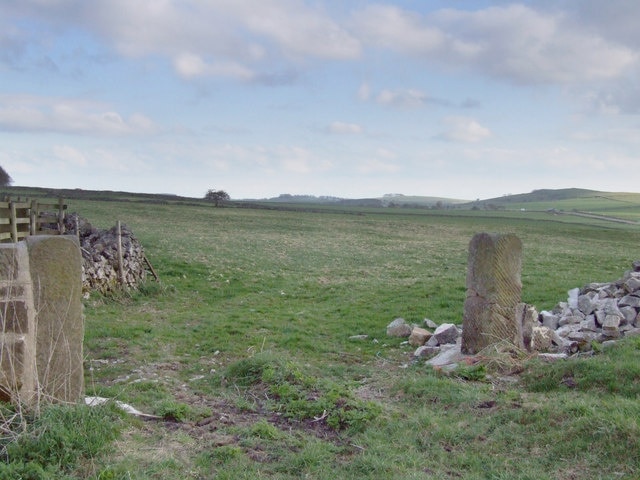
(100, 258)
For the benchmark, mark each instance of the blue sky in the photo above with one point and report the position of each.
(460, 99)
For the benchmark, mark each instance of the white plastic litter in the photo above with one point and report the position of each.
(94, 401)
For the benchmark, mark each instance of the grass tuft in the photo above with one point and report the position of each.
(614, 371)
(54, 443)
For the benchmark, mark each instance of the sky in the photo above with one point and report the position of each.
(460, 99)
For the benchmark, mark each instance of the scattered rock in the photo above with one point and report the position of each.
(541, 338)
(448, 355)
(426, 351)
(428, 323)
(446, 333)
(358, 337)
(419, 336)
(552, 357)
(549, 320)
(399, 328)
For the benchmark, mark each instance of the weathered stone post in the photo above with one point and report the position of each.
(17, 326)
(494, 288)
(56, 271)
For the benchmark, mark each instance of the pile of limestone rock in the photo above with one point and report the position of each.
(101, 266)
(596, 314)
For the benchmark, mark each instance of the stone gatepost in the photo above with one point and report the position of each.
(17, 325)
(494, 288)
(41, 321)
(56, 275)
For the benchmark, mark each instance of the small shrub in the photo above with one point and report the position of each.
(265, 430)
(249, 371)
(218, 456)
(174, 411)
(472, 373)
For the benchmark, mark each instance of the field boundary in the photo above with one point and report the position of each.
(20, 219)
(596, 216)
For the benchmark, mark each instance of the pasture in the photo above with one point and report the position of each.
(244, 350)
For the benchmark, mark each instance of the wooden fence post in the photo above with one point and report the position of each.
(33, 215)
(61, 216)
(14, 222)
(120, 260)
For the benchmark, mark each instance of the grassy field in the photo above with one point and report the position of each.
(244, 350)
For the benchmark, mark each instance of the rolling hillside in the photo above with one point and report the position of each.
(621, 206)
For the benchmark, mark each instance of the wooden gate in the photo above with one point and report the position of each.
(19, 219)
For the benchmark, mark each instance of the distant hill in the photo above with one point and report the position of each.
(542, 195)
(387, 200)
(575, 200)
(620, 207)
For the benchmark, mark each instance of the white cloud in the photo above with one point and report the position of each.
(190, 65)
(252, 38)
(344, 128)
(30, 113)
(406, 98)
(258, 159)
(386, 154)
(514, 42)
(70, 155)
(300, 29)
(391, 27)
(403, 98)
(464, 129)
(617, 20)
(621, 136)
(364, 92)
(298, 160)
(618, 97)
(223, 38)
(375, 166)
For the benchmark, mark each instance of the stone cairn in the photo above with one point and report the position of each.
(100, 258)
(595, 315)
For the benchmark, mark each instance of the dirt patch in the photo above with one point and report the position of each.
(225, 415)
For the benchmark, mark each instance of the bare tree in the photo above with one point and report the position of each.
(5, 178)
(218, 197)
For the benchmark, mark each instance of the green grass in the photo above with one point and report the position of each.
(60, 442)
(244, 349)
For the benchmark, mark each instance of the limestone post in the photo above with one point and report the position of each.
(18, 381)
(494, 288)
(55, 263)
